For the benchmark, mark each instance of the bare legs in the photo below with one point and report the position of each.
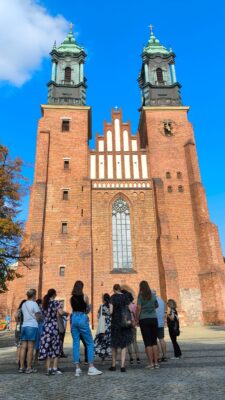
(26, 352)
(162, 347)
(152, 354)
(53, 361)
(122, 357)
(114, 355)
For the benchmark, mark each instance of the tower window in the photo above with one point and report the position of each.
(121, 235)
(159, 75)
(65, 125)
(180, 188)
(170, 189)
(168, 175)
(64, 228)
(65, 194)
(67, 77)
(66, 164)
(62, 271)
(179, 175)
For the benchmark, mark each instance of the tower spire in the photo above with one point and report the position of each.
(68, 83)
(157, 80)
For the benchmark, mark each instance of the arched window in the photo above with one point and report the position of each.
(121, 235)
(67, 77)
(159, 75)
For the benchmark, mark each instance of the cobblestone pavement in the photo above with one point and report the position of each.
(199, 375)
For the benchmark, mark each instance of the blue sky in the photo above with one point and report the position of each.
(114, 34)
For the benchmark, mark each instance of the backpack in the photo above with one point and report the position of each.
(126, 319)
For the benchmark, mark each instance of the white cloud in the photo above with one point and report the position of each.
(27, 34)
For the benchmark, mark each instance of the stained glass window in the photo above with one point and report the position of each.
(121, 235)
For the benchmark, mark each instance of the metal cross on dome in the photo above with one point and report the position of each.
(151, 28)
(71, 27)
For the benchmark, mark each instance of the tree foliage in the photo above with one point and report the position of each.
(13, 186)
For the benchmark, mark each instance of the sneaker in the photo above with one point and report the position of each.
(175, 358)
(57, 371)
(156, 366)
(138, 361)
(30, 370)
(164, 359)
(94, 371)
(122, 369)
(78, 372)
(131, 361)
(50, 372)
(21, 370)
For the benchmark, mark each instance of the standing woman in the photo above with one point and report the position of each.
(121, 337)
(50, 342)
(103, 340)
(80, 326)
(174, 327)
(146, 306)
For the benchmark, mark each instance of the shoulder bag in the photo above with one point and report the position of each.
(101, 328)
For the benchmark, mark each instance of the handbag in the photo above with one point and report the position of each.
(101, 328)
(60, 322)
(126, 319)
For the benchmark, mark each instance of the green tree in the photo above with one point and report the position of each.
(13, 186)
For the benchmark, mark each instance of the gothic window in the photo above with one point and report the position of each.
(67, 77)
(121, 235)
(159, 75)
(168, 175)
(170, 189)
(65, 125)
(179, 175)
(180, 188)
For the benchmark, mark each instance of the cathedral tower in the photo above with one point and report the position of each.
(189, 252)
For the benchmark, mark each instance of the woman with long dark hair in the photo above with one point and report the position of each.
(103, 339)
(146, 306)
(80, 326)
(50, 341)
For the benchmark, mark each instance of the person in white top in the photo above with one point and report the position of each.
(31, 315)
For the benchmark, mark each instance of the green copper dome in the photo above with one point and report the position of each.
(69, 45)
(154, 45)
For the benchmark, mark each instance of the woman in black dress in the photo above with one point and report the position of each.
(120, 337)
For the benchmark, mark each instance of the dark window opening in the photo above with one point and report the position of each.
(168, 175)
(67, 77)
(65, 125)
(168, 129)
(66, 164)
(62, 271)
(179, 175)
(65, 195)
(159, 75)
(170, 189)
(64, 228)
(180, 188)
(82, 212)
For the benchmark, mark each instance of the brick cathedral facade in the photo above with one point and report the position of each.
(132, 209)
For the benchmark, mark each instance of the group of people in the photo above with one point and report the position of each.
(41, 327)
